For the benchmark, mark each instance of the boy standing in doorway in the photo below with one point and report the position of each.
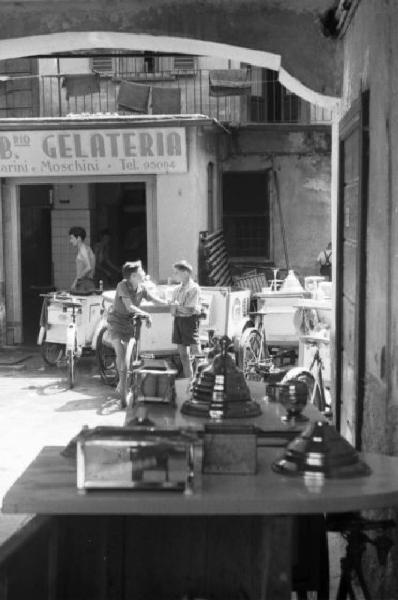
(185, 307)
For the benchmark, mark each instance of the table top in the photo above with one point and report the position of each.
(167, 416)
(48, 486)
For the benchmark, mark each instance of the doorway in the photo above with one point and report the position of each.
(133, 223)
(246, 216)
(36, 257)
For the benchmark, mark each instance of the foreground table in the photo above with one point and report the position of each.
(232, 538)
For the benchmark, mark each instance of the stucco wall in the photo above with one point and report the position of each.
(371, 62)
(182, 205)
(301, 159)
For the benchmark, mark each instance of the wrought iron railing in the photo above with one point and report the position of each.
(265, 101)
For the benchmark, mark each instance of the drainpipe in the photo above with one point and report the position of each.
(2, 276)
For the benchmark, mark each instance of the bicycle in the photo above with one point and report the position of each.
(132, 360)
(72, 350)
(253, 354)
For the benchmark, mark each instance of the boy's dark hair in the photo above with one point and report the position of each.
(130, 267)
(104, 232)
(183, 265)
(78, 232)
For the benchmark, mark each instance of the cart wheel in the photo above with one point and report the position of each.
(52, 353)
(106, 359)
(70, 367)
(131, 364)
(251, 351)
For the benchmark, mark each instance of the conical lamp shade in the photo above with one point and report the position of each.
(320, 449)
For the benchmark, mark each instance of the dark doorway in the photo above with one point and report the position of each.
(133, 223)
(246, 219)
(36, 255)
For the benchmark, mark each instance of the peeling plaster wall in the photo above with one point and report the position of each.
(371, 62)
(301, 158)
(182, 204)
(366, 50)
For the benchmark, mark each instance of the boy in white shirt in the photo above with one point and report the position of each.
(185, 307)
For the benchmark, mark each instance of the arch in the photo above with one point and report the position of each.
(78, 40)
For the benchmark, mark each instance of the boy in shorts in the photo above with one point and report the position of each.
(185, 307)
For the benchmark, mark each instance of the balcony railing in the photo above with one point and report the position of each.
(266, 101)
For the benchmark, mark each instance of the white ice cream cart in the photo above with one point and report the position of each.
(226, 314)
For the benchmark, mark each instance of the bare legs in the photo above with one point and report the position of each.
(120, 349)
(186, 352)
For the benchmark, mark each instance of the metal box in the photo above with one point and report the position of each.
(135, 458)
(154, 383)
(229, 449)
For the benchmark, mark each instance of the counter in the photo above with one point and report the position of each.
(233, 533)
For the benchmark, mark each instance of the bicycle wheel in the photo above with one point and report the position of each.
(251, 351)
(318, 397)
(106, 359)
(132, 363)
(70, 367)
(52, 353)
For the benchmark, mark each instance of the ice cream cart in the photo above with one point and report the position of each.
(226, 313)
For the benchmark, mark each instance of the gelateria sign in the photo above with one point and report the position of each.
(89, 152)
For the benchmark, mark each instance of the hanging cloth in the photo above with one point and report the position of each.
(166, 101)
(81, 84)
(133, 97)
(229, 82)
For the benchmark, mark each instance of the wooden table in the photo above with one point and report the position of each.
(232, 533)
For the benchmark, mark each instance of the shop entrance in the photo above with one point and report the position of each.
(121, 208)
(36, 258)
(133, 223)
(246, 216)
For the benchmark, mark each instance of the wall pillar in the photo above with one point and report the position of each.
(12, 259)
(334, 193)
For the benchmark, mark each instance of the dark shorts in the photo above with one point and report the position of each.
(186, 330)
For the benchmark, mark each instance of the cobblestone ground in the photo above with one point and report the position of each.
(37, 409)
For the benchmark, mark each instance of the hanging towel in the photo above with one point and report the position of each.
(134, 97)
(229, 82)
(81, 85)
(166, 101)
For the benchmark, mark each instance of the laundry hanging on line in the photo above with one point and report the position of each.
(229, 82)
(166, 101)
(81, 84)
(133, 97)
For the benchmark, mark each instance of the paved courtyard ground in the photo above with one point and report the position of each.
(37, 409)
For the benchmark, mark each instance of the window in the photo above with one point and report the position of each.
(246, 219)
(102, 64)
(184, 62)
(270, 101)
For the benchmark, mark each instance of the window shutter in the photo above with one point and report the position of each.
(184, 62)
(102, 64)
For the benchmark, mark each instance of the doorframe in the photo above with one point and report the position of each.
(13, 275)
(356, 117)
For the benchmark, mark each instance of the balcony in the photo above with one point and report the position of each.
(264, 99)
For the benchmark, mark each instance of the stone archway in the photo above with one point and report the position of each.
(77, 40)
(286, 28)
